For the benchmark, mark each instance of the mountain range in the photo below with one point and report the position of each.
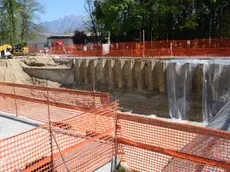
(65, 24)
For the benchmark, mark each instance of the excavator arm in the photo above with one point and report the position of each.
(6, 46)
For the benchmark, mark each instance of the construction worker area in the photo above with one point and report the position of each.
(83, 130)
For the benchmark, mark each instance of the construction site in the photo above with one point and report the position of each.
(141, 107)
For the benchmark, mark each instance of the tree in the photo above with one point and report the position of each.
(29, 10)
(17, 19)
(164, 19)
(8, 14)
(91, 24)
(79, 37)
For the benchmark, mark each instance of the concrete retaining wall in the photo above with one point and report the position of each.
(138, 74)
(122, 73)
(139, 84)
(61, 75)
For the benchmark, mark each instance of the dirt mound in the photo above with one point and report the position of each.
(40, 61)
(47, 61)
(11, 70)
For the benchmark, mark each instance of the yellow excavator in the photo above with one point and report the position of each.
(20, 50)
(7, 51)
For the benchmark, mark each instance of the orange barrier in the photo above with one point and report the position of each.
(77, 136)
(148, 144)
(24, 150)
(196, 47)
(32, 101)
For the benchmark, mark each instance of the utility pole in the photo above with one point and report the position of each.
(152, 40)
(143, 49)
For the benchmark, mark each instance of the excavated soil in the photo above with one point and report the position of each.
(11, 70)
(131, 100)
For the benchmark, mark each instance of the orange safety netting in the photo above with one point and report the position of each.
(31, 101)
(84, 135)
(77, 135)
(196, 47)
(148, 144)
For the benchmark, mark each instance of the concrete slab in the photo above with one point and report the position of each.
(10, 125)
(109, 167)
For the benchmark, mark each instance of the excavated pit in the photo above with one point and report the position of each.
(156, 87)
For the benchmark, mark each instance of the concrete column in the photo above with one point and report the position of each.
(83, 71)
(118, 73)
(77, 64)
(137, 71)
(148, 75)
(108, 73)
(198, 79)
(162, 78)
(155, 74)
(91, 71)
(127, 73)
(99, 72)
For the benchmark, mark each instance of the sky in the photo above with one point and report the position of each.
(55, 9)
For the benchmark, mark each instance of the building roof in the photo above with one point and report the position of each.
(41, 38)
(70, 35)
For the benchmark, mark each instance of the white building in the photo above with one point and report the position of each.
(43, 40)
(66, 38)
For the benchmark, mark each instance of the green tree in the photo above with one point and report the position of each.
(164, 19)
(17, 20)
(29, 12)
(91, 24)
(9, 13)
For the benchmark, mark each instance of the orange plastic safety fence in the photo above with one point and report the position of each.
(20, 152)
(148, 144)
(86, 141)
(73, 140)
(89, 157)
(33, 101)
(196, 47)
(83, 132)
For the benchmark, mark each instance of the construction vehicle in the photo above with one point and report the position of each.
(59, 47)
(5, 51)
(20, 50)
(58, 44)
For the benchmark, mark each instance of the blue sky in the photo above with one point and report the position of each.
(55, 9)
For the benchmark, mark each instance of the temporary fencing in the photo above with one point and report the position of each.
(76, 135)
(196, 47)
(32, 101)
(84, 135)
(148, 144)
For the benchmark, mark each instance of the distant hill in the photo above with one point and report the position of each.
(65, 24)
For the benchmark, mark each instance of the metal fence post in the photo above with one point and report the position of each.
(15, 101)
(116, 135)
(50, 129)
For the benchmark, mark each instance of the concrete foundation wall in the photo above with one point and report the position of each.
(61, 75)
(138, 74)
(139, 84)
(122, 73)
